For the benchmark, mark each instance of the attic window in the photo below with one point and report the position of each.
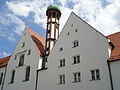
(61, 49)
(23, 45)
(68, 33)
(15, 57)
(76, 30)
(72, 25)
(29, 52)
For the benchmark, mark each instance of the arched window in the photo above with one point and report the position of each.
(1, 77)
(27, 73)
(13, 76)
(21, 61)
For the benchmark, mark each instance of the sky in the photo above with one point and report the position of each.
(104, 15)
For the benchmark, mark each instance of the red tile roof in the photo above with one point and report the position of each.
(39, 41)
(4, 61)
(115, 39)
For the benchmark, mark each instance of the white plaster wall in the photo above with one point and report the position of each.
(30, 60)
(2, 70)
(115, 71)
(93, 50)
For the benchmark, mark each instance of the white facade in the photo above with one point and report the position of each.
(20, 71)
(115, 71)
(79, 51)
(93, 51)
(2, 71)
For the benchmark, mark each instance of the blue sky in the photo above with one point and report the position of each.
(15, 14)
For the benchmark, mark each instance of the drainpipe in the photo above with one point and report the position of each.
(111, 80)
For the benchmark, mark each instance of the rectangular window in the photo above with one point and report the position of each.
(23, 44)
(1, 77)
(77, 77)
(95, 75)
(76, 59)
(52, 31)
(48, 26)
(29, 52)
(62, 79)
(75, 43)
(62, 62)
(15, 57)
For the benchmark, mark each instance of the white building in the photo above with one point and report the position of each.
(77, 60)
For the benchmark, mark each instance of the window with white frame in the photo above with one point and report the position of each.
(62, 79)
(75, 43)
(76, 59)
(76, 77)
(95, 74)
(62, 62)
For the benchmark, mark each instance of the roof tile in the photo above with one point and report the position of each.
(39, 41)
(115, 39)
(4, 61)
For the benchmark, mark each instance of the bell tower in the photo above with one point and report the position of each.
(53, 14)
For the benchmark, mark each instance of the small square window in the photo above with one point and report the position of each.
(95, 75)
(76, 30)
(76, 59)
(68, 33)
(75, 43)
(61, 49)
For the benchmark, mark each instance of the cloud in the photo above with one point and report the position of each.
(11, 37)
(4, 54)
(104, 18)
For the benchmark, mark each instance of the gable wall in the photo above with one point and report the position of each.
(30, 60)
(92, 50)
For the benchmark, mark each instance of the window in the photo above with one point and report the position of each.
(68, 33)
(75, 43)
(1, 77)
(13, 76)
(76, 59)
(21, 61)
(15, 57)
(23, 44)
(29, 52)
(27, 73)
(62, 79)
(76, 30)
(62, 63)
(77, 77)
(61, 49)
(95, 75)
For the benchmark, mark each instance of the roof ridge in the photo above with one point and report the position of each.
(113, 34)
